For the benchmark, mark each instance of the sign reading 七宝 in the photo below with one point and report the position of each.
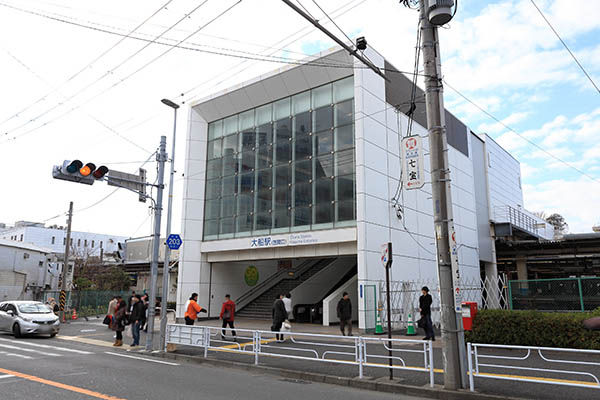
(413, 172)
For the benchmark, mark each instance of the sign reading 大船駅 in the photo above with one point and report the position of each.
(293, 239)
(413, 172)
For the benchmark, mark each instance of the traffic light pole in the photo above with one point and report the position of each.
(161, 158)
(167, 260)
(452, 336)
(65, 268)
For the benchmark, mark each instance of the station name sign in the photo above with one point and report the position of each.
(293, 239)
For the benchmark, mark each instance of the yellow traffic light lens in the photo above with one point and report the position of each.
(85, 171)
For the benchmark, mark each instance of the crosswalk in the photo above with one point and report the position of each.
(29, 350)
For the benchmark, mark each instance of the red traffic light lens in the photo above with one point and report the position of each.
(87, 169)
(100, 172)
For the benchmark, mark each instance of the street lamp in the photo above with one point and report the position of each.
(165, 288)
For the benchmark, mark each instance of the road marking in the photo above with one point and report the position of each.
(536, 378)
(45, 346)
(87, 330)
(95, 342)
(60, 385)
(140, 358)
(7, 346)
(6, 376)
(16, 355)
(241, 345)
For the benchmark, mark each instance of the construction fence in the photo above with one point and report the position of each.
(564, 294)
(404, 298)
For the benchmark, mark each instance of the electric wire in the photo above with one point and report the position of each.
(565, 46)
(332, 21)
(88, 65)
(531, 142)
(107, 73)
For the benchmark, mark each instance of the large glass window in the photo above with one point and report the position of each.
(285, 166)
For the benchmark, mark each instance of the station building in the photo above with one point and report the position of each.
(292, 184)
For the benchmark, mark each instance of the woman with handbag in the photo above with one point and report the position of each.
(118, 324)
(227, 315)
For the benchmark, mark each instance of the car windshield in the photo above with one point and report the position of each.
(34, 308)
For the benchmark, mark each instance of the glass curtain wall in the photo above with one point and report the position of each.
(283, 167)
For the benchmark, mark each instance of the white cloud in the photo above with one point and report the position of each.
(576, 200)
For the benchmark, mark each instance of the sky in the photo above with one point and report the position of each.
(72, 89)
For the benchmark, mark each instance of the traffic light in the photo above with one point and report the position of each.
(75, 171)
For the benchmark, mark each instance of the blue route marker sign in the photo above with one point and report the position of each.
(174, 241)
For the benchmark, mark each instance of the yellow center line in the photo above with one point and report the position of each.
(537, 378)
(60, 385)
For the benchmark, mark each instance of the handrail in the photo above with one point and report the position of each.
(274, 279)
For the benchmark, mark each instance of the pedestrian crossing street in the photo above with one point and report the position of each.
(31, 350)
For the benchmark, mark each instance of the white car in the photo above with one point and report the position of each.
(28, 317)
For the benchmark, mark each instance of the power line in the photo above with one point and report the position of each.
(332, 21)
(108, 73)
(583, 173)
(566, 47)
(88, 64)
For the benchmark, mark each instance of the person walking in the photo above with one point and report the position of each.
(119, 322)
(279, 316)
(227, 315)
(136, 318)
(192, 310)
(344, 313)
(287, 302)
(425, 309)
(112, 308)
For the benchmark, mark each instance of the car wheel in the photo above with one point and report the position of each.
(16, 331)
(52, 335)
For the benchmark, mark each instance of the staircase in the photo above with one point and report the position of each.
(261, 307)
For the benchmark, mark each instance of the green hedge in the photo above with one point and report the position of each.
(534, 328)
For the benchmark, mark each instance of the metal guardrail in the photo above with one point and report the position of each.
(474, 358)
(358, 350)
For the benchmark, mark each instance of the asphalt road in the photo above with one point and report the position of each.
(43, 368)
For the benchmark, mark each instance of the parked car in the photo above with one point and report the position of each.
(28, 317)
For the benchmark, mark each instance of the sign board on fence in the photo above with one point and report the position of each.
(413, 171)
(174, 241)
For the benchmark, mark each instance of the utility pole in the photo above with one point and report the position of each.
(448, 273)
(161, 158)
(167, 260)
(63, 288)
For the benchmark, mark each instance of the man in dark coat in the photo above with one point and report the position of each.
(279, 316)
(344, 313)
(137, 316)
(425, 309)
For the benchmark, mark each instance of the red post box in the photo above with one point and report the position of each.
(469, 310)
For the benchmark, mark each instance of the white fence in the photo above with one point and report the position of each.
(476, 361)
(358, 350)
(404, 297)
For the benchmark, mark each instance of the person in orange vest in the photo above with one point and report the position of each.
(192, 310)
(227, 315)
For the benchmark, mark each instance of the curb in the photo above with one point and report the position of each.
(376, 385)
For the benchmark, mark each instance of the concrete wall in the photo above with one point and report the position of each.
(330, 303)
(20, 268)
(313, 290)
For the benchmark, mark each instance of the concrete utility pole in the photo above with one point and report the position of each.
(161, 158)
(452, 335)
(65, 269)
(165, 289)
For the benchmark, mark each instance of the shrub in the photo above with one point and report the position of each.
(534, 328)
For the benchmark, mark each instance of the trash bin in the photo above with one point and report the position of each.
(469, 310)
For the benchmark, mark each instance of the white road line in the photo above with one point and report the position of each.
(6, 346)
(16, 355)
(140, 358)
(6, 376)
(45, 346)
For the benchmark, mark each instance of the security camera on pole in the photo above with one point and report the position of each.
(433, 13)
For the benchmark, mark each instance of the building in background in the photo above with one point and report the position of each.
(26, 271)
(293, 184)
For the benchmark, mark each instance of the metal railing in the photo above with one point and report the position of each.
(474, 357)
(521, 220)
(359, 351)
(560, 294)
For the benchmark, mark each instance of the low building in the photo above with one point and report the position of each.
(293, 184)
(26, 271)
